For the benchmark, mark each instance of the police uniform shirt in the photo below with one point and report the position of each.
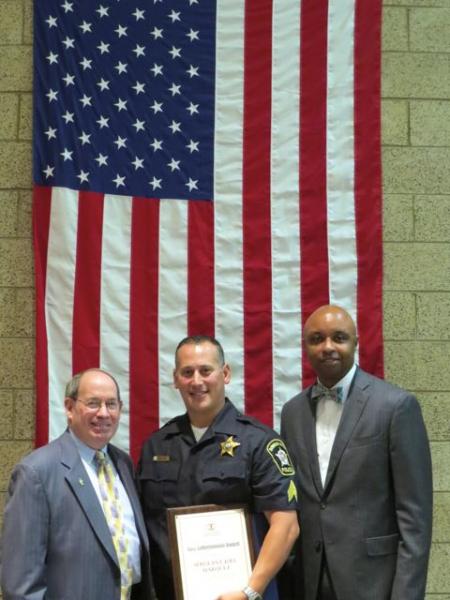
(237, 460)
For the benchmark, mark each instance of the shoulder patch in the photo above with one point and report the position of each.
(278, 451)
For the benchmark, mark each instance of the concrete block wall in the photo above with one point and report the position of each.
(416, 166)
(16, 258)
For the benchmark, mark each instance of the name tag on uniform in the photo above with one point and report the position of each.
(161, 458)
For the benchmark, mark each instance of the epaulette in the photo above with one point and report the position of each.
(252, 421)
(171, 421)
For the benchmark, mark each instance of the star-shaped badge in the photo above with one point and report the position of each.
(228, 446)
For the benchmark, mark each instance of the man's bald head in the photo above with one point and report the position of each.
(327, 313)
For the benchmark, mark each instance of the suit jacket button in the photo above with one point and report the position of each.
(318, 546)
(322, 505)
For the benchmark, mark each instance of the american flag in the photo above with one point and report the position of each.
(201, 166)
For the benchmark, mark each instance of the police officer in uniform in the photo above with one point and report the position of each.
(213, 454)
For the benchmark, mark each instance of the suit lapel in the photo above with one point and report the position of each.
(81, 486)
(353, 409)
(308, 420)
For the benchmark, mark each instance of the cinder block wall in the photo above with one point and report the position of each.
(16, 263)
(416, 166)
(416, 163)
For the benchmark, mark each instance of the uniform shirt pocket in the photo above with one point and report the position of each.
(385, 544)
(225, 469)
(160, 471)
(158, 482)
(225, 482)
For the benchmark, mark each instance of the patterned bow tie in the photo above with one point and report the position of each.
(320, 391)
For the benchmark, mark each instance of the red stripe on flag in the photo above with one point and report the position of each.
(87, 287)
(144, 374)
(257, 256)
(200, 268)
(368, 185)
(313, 169)
(42, 199)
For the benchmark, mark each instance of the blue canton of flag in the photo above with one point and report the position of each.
(124, 97)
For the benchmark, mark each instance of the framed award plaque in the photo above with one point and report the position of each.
(211, 549)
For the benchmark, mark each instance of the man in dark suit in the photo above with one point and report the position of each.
(58, 538)
(364, 467)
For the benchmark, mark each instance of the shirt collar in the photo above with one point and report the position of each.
(86, 452)
(223, 422)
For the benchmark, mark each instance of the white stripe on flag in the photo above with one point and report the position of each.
(343, 274)
(228, 190)
(115, 301)
(343, 260)
(172, 300)
(59, 295)
(285, 204)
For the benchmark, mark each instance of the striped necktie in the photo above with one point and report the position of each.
(114, 517)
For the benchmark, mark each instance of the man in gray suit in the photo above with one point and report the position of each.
(57, 540)
(364, 468)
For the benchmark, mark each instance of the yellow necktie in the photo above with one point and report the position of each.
(114, 517)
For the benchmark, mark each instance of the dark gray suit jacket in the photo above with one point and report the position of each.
(373, 516)
(56, 543)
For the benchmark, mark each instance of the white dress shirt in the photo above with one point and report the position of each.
(328, 415)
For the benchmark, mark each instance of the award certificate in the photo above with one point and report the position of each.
(211, 548)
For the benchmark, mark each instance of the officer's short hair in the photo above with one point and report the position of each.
(201, 339)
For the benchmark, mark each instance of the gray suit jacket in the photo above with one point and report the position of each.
(56, 543)
(373, 516)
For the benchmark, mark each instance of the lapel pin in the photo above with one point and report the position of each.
(81, 481)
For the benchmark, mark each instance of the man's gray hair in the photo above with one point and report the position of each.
(74, 384)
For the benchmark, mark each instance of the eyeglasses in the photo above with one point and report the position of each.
(112, 406)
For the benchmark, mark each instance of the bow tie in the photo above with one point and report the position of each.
(320, 391)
